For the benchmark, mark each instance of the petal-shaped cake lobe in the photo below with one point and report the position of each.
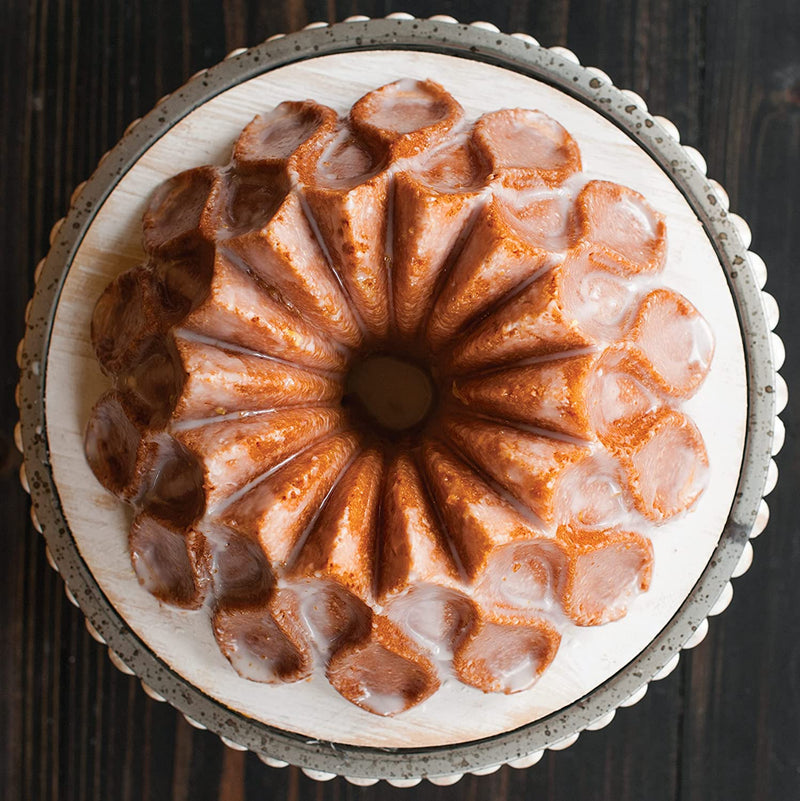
(153, 384)
(428, 226)
(244, 202)
(597, 291)
(476, 519)
(592, 493)
(527, 465)
(127, 315)
(175, 221)
(551, 394)
(608, 568)
(624, 403)
(436, 617)
(153, 471)
(455, 168)
(406, 117)
(674, 341)
(115, 447)
(183, 284)
(347, 191)
(238, 311)
(278, 510)
(341, 545)
(494, 260)
(412, 545)
(386, 673)
(287, 258)
(269, 141)
(173, 483)
(174, 566)
(241, 575)
(540, 215)
(525, 146)
(524, 575)
(667, 468)
(506, 653)
(217, 382)
(617, 218)
(586, 300)
(262, 646)
(233, 452)
(332, 615)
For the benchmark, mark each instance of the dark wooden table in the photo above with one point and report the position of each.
(725, 725)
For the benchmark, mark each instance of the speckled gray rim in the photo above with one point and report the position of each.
(528, 59)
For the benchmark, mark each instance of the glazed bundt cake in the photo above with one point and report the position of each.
(397, 396)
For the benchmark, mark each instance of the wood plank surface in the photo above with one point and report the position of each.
(726, 725)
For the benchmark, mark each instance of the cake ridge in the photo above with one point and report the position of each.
(430, 496)
(503, 417)
(309, 215)
(359, 456)
(231, 347)
(450, 260)
(447, 562)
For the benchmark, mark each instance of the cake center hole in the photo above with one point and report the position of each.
(391, 392)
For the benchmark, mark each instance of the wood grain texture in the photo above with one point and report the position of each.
(725, 725)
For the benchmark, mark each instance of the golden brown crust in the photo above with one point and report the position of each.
(127, 316)
(272, 140)
(241, 574)
(607, 569)
(412, 544)
(526, 147)
(114, 446)
(355, 242)
(625, 403)
(333, 617)
(551, 394)
(261, 646)
(476, 519)
(220, 382)
(428, 225)
(667, 467)
(174, 222)
(285, 255)
(406, 117)
(174, 566)
(638, 233)
(232, 453)
(674, 345)
(278, 509)
(527, 465)
(341, 544)
(506, 653)
(386, 673)
(533, 323)
(494, 260)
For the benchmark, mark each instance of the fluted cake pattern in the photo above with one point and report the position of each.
(459, 546)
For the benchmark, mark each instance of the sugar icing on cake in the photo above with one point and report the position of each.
(451, 525)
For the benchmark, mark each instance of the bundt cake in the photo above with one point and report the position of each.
(397, 397)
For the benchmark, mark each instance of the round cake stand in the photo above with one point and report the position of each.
(766, 397)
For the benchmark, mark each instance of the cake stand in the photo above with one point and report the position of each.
(99, 238)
